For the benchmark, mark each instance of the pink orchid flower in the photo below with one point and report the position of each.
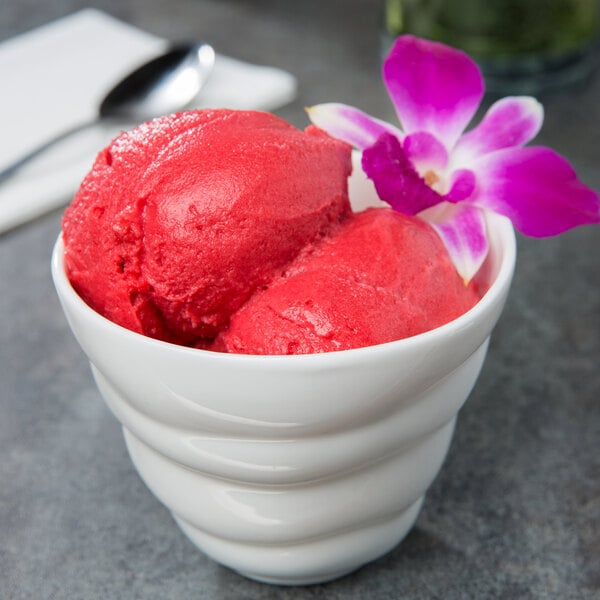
(430, 168)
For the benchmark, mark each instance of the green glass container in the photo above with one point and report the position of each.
(522, 46)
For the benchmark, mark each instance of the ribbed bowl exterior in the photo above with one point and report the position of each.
(292, 469)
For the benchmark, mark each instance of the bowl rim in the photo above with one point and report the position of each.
(503, 232)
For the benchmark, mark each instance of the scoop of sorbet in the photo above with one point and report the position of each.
(183, 218)
(384, 276)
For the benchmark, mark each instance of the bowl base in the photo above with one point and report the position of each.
(312, 561)
(297, 581)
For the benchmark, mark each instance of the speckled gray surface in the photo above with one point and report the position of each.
(515, 512)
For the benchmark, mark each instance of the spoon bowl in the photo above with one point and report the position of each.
(165, 84)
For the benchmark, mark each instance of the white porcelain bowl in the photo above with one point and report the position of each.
(292, 469)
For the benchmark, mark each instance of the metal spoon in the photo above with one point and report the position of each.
(163, 85)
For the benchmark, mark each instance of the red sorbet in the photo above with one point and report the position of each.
(382, 277)
(182, 219)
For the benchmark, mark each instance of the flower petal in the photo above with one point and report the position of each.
(350, 124)
(462, 185)
(512, 121)
(537, 189)
(463, 231)
(425, 152)
(433, 87)
(396, 180)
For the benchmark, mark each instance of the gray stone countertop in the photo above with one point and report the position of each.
(515, 511)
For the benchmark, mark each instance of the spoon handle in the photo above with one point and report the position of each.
(8, 171)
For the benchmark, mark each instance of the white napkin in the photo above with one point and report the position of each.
(55, 76)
